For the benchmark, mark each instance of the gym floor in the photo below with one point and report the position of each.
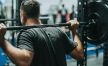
(92, 60)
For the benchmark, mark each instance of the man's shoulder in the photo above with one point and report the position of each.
(27, 32)
(56, 30)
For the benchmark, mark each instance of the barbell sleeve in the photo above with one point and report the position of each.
(39, 26)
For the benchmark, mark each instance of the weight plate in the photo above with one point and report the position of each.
(98, 27)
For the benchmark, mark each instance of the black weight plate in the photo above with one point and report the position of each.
(98, 16)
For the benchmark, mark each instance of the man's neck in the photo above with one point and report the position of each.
(32, 21)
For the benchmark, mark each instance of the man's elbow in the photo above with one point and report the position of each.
(22, 64)
(80, 56)
(77, 56)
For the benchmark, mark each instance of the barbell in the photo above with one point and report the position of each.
(97, 32)
(97, 23)
(41, 26)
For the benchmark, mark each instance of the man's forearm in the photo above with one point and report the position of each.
(76, 39)
(15, 54)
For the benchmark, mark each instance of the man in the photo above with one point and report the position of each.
(40, 46)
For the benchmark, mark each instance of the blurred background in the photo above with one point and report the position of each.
(58, 11)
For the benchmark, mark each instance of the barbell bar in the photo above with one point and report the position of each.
(41, 26)
(8, 20)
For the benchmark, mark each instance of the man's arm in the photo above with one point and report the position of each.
(20, 57)
(77, 53)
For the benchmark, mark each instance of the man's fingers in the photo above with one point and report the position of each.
(3, 25)
(73, 22)
(0, 26)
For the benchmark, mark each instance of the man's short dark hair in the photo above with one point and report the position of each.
(31, 8)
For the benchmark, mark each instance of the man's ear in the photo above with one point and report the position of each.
(24, 17)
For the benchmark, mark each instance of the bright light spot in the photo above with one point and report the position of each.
(2, 1)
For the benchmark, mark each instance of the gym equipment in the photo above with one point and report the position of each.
(97, 23)
(39, 26)
(98, 29)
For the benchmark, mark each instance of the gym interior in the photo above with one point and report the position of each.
(91, 14)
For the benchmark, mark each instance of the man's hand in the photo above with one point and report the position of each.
(78, 52)
(2, 29)
(74, 25)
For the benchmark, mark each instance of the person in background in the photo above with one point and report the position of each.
(63, 12)
(72, 14)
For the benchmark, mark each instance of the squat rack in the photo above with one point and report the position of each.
(82, 17)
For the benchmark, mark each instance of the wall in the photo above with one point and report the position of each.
(46, 4)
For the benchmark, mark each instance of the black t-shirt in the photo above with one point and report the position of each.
(48, 44)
